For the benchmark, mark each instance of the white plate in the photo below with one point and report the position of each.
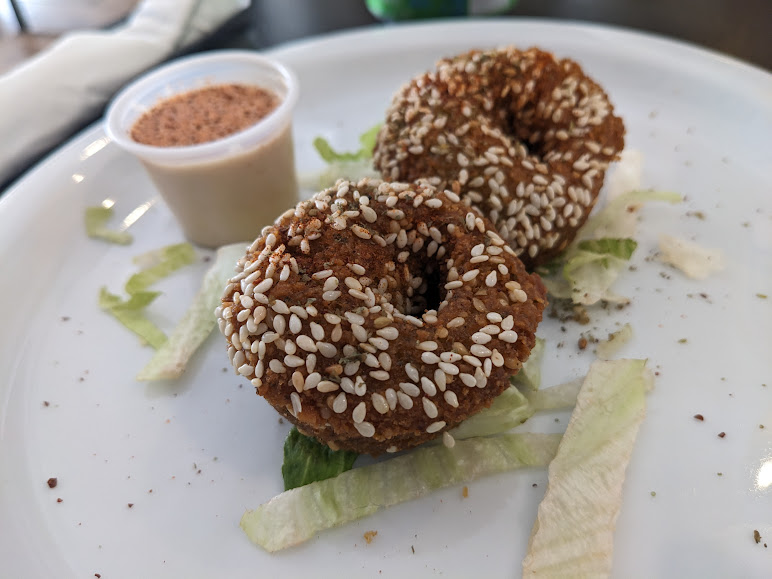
(208, 448)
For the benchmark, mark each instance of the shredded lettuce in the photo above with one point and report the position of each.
(529, 376)
(556, 397)
(158, 264)
(96, 219)
(365, 152)
(509, 409)
(619, 218)
(592, 263)
(695, 261)
(169, 362)
(307, 460)
(573, 532)
(353, 166)
(608, 348)
(131, 312)
(299, 514)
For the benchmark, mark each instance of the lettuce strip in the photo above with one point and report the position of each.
(299, 514)
(169, 362)
(96, 219)
(573, 532)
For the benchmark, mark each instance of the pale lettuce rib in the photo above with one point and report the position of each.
(170, 359)
(297, 515)
(573, 532)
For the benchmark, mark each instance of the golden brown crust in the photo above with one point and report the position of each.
(526, 137)
(357, 339)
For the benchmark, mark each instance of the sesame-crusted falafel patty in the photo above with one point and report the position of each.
(376, 316)
(524, 137)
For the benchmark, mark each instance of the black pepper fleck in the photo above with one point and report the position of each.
(52, 482)
(721, 434)
(699, 417)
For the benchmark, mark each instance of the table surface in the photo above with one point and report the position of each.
(737, 28)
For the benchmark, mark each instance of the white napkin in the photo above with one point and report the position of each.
(47, 97)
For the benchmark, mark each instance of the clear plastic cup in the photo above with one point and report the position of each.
(226, 190)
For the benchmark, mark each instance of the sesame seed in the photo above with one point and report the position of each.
(468, 276)
(293, 361)
(332, 319)
(468, 379)
(263, 286)
(295, 325)
(508, 336)
(430, 408)
(330, 296)
(306, 343)
(327, 386)
(340, 403)
(428, 386)
(326, 349)
(296, 404)
(330, 284)
(412, 372)
(481, 338)
(448, 368)
(428, 346)
(508, 323)
(480, 351)
(430, 358)
(409, 389)
(276, 366)
(448, 440)
(382, 375)
(435, 426)
(390, 333)
(319, 275)
(404, 400)
(379, 403)
(391, 398)
(298, 381)
(317, 332)
(440, 379)
(491, 279)
(450, 357)
(456, 322)
(451, 398)
(366, 429)
(471, 360)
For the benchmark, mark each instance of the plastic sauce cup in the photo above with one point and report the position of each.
(226, 190)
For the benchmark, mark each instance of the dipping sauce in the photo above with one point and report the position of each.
(230, 197)
(203, 115)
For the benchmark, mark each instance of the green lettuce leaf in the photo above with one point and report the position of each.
(131, 314)
(307, 460)
(365, 152)
(592, 263)
(169, 362)
(158, 264)
(353, 166)
(96, 219)
(573, 532)
(299, 514)
(590, 274)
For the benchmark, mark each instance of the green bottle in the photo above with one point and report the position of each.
(418, 9)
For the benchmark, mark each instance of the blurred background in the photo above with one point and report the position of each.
(739, 28)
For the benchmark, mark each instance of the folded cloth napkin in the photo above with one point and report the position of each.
(52, 94)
